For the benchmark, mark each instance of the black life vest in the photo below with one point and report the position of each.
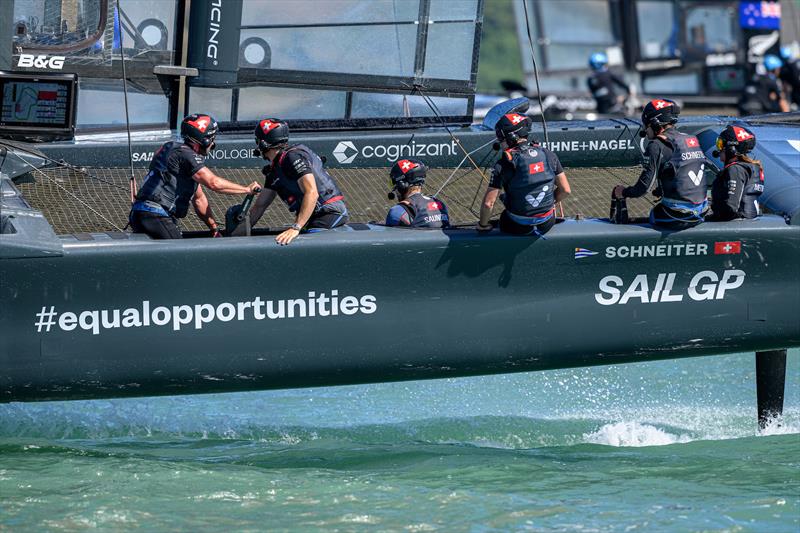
(162, 187)
(751, 190)
(330, 197)
(688, 162)
(530, 192)
(426, 211)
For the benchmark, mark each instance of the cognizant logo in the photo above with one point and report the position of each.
(346, 151)
(214, 19)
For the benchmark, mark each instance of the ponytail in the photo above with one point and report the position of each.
(746, 159)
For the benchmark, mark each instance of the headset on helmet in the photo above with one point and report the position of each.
(201, 129)
(660, 112)
(772, 62)
(407, 173)
(598, 60)
(735, 140)
(271, 132)
(511, 127)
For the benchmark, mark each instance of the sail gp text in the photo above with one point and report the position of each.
(705, 285)
(199, 315)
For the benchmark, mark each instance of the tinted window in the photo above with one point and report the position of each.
(57, 23)
(686, 83)
(383, 50)
(101, 103)
(658, 33)
(290, 104)
(366, 105)
(709, 29)
(572, 34)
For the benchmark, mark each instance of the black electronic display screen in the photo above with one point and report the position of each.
(37, 105)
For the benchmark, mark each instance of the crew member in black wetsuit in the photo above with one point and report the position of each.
(603, 85)
(790, 75)
(675, 163)
(414, 210)
(763, 94)
(173, 182)
(735, 191)
(297, 175)
(530, 175)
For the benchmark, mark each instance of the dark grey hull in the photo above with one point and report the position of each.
(410, 305)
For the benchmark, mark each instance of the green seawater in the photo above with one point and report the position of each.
(661, 446)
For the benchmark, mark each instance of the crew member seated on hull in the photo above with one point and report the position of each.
(675, 164)
(603, 85)
(296, 174)
(174, 180)
(790, 75)
(735, 191)
(531, 177)
(414, 210)
(763, 94)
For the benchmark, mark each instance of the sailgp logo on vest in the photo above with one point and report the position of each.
(214, 20)
(346, 151)
(697, 177)
(538, 199)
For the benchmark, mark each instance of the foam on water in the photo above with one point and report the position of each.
(633, 434)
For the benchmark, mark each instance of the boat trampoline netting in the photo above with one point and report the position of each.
(76, 203)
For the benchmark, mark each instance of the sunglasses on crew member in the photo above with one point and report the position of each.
(720, 144)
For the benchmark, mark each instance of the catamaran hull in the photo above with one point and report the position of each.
(133, 317)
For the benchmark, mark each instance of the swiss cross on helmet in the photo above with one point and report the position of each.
(271, 132)
(660, 112)
(201, 129)
(407, 172)
(736, 139)
(511, 127)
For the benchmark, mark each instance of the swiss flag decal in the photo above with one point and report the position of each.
(691, 142)
(406, 165)
(267, 125)
(201, 123)
(434, 206)
(741, 134)
(535, 168)
(729, 247)
(515, 118)
(660, 104)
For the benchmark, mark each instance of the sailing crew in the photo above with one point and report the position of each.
(603, 85)
(414, 210)
(296, 174)
(763, 94)
(530, 175)
(735, 191)
(675, 163)
(790, 75)
(174, 180)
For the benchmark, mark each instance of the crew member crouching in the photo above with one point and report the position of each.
(735, 191)
(176, 171)
(675, 163)
(296, 174)
(414, 210)
(531, 177)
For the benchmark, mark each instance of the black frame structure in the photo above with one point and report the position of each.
(166, 69)
(418, 84)
(624, 22)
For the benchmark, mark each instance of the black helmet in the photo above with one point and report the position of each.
(271, 132)
(736, 139)
(660, 112)
(511, 127)
(201, 129)
(407, 173)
